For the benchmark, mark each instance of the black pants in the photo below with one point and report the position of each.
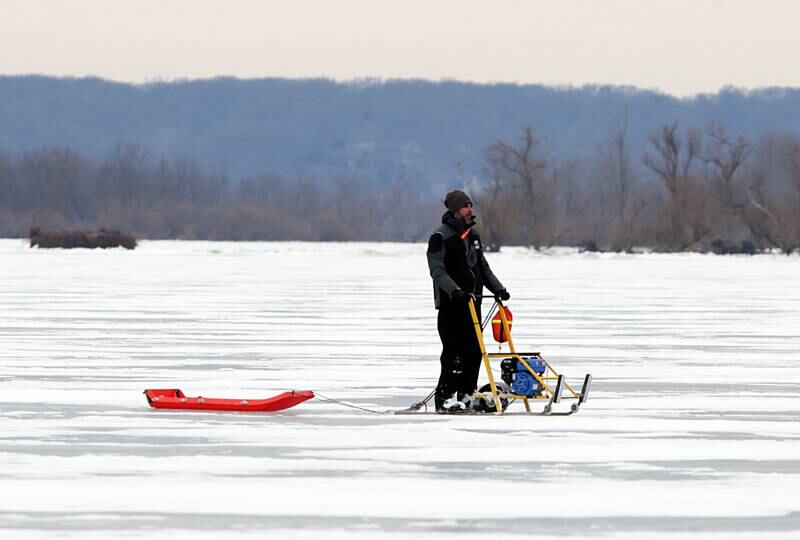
(461, 353)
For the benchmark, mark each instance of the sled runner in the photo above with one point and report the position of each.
(172, 398)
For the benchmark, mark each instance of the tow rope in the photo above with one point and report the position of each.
(344, 404)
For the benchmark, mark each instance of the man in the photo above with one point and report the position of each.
(459, 271)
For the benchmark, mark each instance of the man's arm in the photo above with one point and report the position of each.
(435, 254)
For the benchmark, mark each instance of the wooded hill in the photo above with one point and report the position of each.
(387, 131)
(611, 168)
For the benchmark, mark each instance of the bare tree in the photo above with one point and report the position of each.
(793, 199)
(495, 202)
(724, 155)
(523, 168)
(672, 159)
(8, 181)
(566, 211)
(773, 212)
(125, 172)
(58, 179)
(619, 175)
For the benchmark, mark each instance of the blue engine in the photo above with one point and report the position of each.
(515, 374)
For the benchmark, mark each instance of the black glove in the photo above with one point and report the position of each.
(503, 294)
(460, 297)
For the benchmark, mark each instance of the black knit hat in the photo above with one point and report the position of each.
(456, 200)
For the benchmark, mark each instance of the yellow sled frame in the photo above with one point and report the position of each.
(551, 381)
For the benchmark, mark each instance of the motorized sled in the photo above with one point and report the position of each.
(525, 376)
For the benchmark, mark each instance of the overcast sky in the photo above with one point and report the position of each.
(679, 46)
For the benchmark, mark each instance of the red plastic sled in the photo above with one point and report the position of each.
(172, 398)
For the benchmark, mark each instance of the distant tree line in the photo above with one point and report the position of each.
(56, 188)
(694, 189)
(690, 189)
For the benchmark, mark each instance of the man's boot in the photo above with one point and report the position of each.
(457, 404)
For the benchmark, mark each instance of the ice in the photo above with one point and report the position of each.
(691, 427)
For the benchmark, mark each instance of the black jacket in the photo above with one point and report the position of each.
(456, 261)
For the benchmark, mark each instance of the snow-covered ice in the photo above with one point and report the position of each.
(693, 425)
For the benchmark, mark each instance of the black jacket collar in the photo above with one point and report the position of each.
(457, 224)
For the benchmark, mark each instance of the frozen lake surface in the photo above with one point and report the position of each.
(693, 424)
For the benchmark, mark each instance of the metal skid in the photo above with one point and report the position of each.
(552, 383)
